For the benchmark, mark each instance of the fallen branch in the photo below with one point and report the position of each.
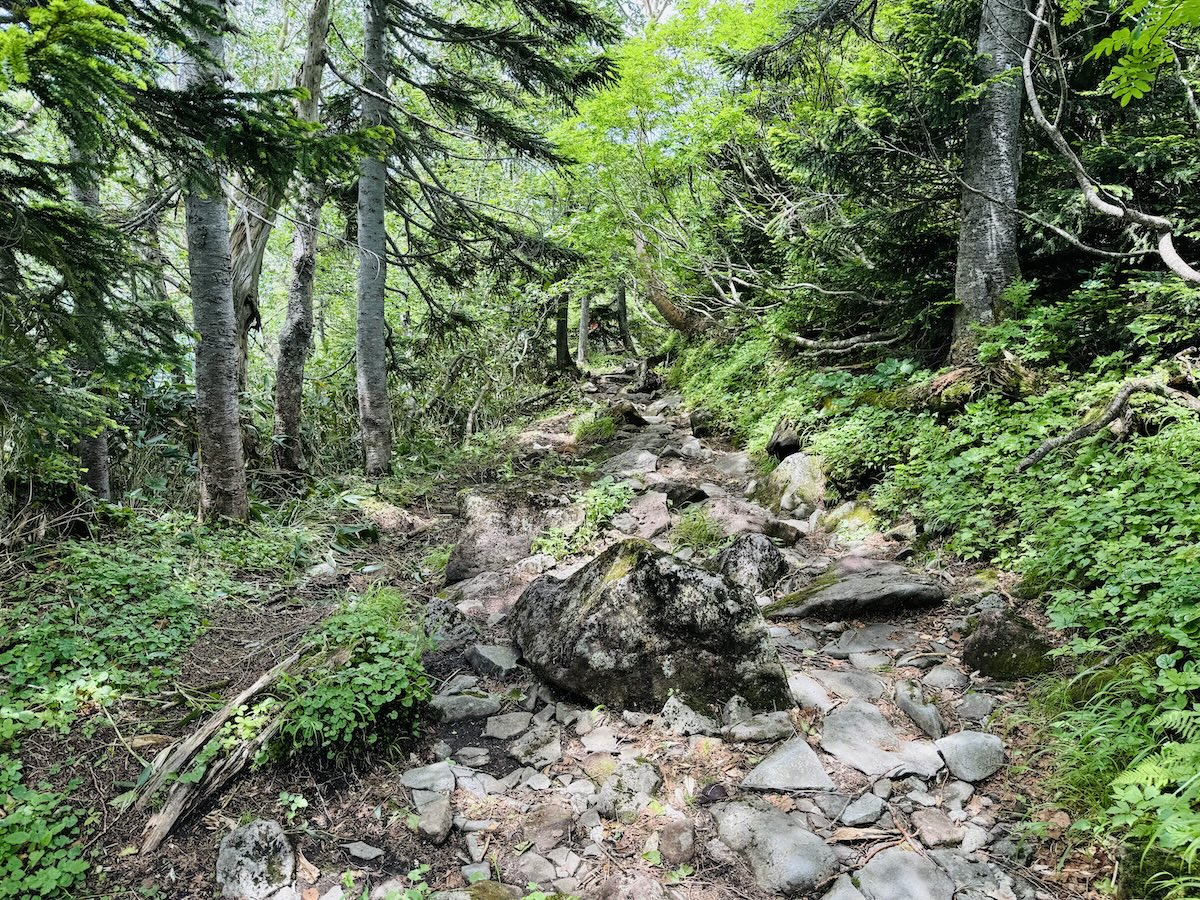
(809, 345)
(1115, 409)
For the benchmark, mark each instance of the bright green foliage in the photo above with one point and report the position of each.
(594, 428)
(372, 683)
(696, 530)
(603, 500)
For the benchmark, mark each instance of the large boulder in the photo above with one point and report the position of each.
(785, 857)
(753, 562)
(256, 862)
(1006, 647)
(847, 595)
(499, 528)
(636, 624)
(796, 486)
(784, 440)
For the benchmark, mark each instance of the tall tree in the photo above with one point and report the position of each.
(585, 302)
(374, 405)
(210, 267)
(296, 336)
(988, 260)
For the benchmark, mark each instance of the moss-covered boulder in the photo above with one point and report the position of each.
(636, 625)
(1006, 647)
(796, 486)
(842, 594)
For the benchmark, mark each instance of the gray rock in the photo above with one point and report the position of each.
(784, 440)
(459, 707)
(857, 734)
(843, 889)
(873, 660)
(629, 463)
(362, 850)
(795, 486)
(733, 465)
(752, 562)
(631, 887)
(850, 685)
(531, 867)
(677, 841)
(508, 725)
(976, 880)
(636, 624)
(679, 718)
(498, 530)
(476, 872)
(436, 815)
(808, 692)
(1006, 647)
(870, 639)
(256, 862)
(935, 829)
(539, 747)
(493, 659)
(736, 710)
(976, 707)
(838, 596)
(866, 810)
(436, 777)
(897, 874)
(946, 678)
(761, 728)
(911, 700)
(627, 791)
(792, 767)
(972, 755)
(785, 857)
(548, 825)
(734, 516)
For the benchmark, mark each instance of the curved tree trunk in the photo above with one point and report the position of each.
(296, 336)
(374, 408)
(656, 291)
(585, 303)
(222, 468)
(987, 242)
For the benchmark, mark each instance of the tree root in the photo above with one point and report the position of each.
(1116, 409)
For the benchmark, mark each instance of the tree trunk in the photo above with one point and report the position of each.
(623, 319)
(296, 336)
(222, 470)
(374, 409)
(585, 303)
(257, 208)
(656, 291)
(92, 450)
(987, 243)
(562, 334)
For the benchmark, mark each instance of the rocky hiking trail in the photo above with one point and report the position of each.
(799, 715)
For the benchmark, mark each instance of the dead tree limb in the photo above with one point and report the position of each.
(845, 345)
(1115, 409)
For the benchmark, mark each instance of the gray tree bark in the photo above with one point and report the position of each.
(210, 268)
(562, 334)
(987, 241)
(92, 450)
(623, 319)
(374, 406)
(585, 303)
(295, 338)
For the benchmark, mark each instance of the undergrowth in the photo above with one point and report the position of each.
(1106, 531)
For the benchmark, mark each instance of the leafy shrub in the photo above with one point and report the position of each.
(602, 501)
(697, 531)
(594, 428)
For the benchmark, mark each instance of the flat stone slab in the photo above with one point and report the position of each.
(459, 707)
(785, 857)
(871, 639)
(880, 589)
(792, 767)
(631, 462)
(437, 777)
(808, 692)
(493, 659)
(898, 874)
(851, 685)
(508, 725)
(857, 734)
(972, 755)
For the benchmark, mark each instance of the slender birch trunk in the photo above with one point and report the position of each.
(585, 303)
(374, 407)
(222, 467)
(988, 261)
(623, 319)
(295, 338)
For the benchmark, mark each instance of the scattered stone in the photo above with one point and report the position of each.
(911, 700)
(734, 516)
(935, 829)
(972, 755)
(733, 465)
(256, 862)
(458, 684)
(843, 889)
(851, 521)
(363, 851)
(628, 791)
(631, 887)
(475, 872)
(884, 588)
(872, 660)
(898, 874)
(460, 707)
(795, 486)
(531, 867)
(735, 711)
(784, 440)
(601, 740)
(870, 639)
(784, 856)
(437, 777)
(681, 719)
(866, 810)
(499, 528)
(701, 422)
(974, 838)
(946, 678)
(761, 728)
(975, 707)
(808, 692)
(474, 757)
(636, 624)
(547, 826)
(850, 685)
(493, 659)
(857, 734)
(752, 562)
(436, 815)
(977, 880)
(677, 841)
(1006, 647)
(630, 463)
(507, 726)
(539, 747)
(792, 767)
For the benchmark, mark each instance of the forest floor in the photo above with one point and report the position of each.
(905, 828)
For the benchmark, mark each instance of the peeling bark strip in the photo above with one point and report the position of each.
(222, 468)
(987, 238)
(1114, 410)
(374, 408)
(295, 338)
